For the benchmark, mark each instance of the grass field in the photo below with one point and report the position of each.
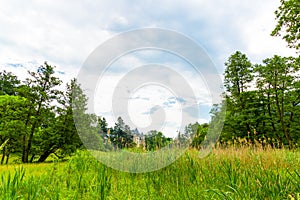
(230, 173)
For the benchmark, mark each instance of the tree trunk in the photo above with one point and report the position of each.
(29, 142)
(7, 157)
(28, 147)
(3, 155)
(270, 115)
(281, 112)
(23, 148)
(24, 137)
(32, 157)
(44, 156)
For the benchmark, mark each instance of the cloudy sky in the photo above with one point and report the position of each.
(64, 33)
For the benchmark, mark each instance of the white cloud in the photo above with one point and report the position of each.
(142, 101)
(64, 33)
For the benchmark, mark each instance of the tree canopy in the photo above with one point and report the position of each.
(288, 22)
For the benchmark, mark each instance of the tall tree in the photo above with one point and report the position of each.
(277, 79)
(41, 91)
(60, 135)
(270, 109)
(86, 123)
(102, 125)
(238, 79)
(121, 136)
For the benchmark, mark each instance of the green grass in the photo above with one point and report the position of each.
(230, 173)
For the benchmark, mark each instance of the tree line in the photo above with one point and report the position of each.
(37, 120)
(262, 101)
(122, 136)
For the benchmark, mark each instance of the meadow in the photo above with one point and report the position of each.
(227, 173)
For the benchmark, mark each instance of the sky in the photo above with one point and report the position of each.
(65, 33)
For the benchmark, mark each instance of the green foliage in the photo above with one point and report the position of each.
(288, 22)
(238, 74)
(41, 91)
(59, 135)
(12, 123)
(156, 140)
(8, 83)
(277, 81)
(200, 132)
(262, 101)
(238, 78)
(37, 118)
(121, 135)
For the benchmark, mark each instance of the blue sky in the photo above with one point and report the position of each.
(64, 33)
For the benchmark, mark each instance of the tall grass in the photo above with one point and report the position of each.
(11, 183)
(231, 173)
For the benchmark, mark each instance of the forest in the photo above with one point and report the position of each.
(37, 120)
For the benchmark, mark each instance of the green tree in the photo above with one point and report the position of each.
(121, 136)
(155, 140)
(270, 109)
(288, 22)
(41, 91)
(12, 123)
(200, 131)
(238, 79)
(86, 123)
(276, 78)
(102, 125)
(59, 136)
(8, 83)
